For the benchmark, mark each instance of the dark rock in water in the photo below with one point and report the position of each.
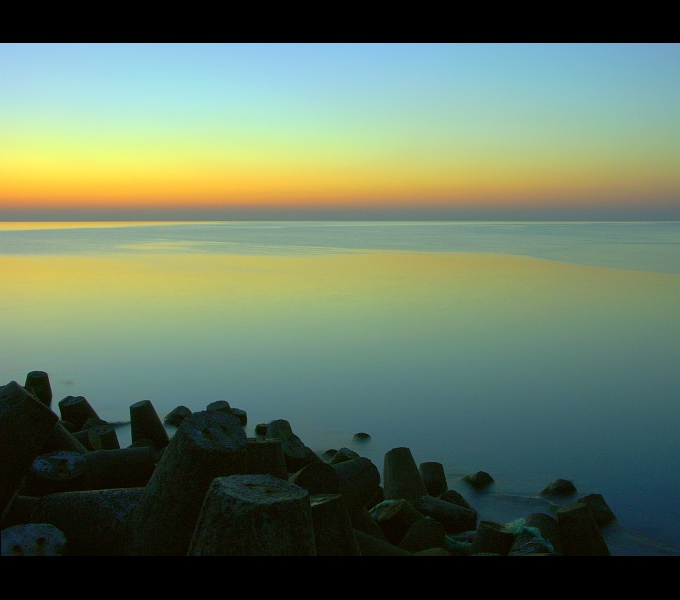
(599, 509)
(559, 487)
(329, 454)
(176, 416)
(361, 436)
(261, 429)
(479, 480)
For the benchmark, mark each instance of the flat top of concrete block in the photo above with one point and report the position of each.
(214, 429)
(260, 489)
(59, 466)
(33, 539)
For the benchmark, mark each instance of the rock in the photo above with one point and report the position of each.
(261, 429)
(479, 480)
(361, 436)
(328, 455)
(176, 416)
(599, 509)
(559, 487)
(221, 405)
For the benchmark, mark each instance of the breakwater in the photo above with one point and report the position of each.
(68, 488)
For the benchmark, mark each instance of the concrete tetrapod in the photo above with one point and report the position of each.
(94, 522)
(333, 532)
(265, 457)
(401, 477)
(207, 445)
(434, 477)
(64, 471)
(578, 531)
(146, 424)
(359, 481)
(76, 410)
(254, 515)
(40, 382)
(25, 426)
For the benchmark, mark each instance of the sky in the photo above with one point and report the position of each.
(347, 131)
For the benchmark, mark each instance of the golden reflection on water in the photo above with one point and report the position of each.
(195, 304)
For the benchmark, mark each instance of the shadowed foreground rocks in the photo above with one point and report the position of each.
(68, 488)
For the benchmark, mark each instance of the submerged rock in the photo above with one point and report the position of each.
(559, 487)
(479, 480)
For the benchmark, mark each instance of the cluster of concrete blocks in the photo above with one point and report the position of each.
(209, 490)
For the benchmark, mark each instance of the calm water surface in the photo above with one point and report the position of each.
(531, 351)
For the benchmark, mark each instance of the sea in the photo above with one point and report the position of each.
(533, 351)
